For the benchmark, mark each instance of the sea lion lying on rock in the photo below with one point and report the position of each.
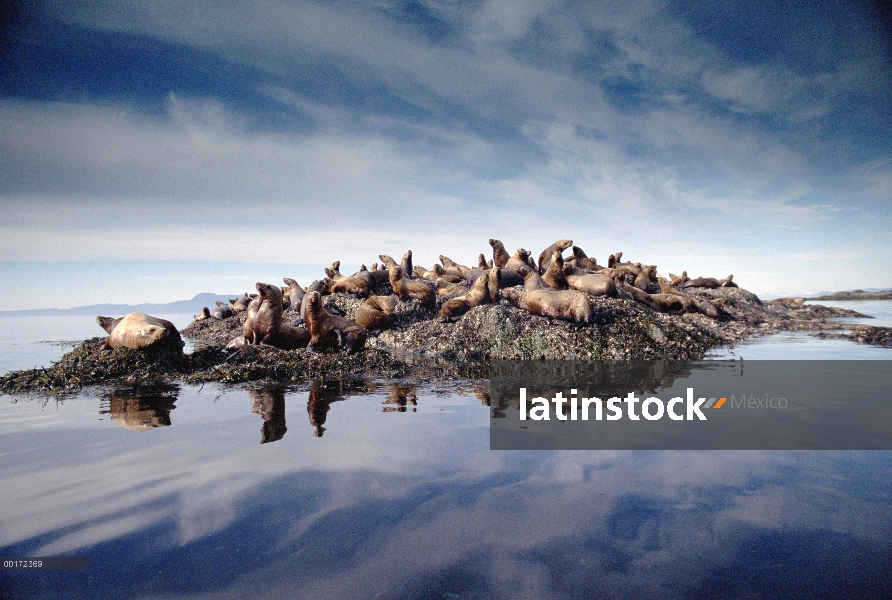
(203, 315)
(357, 286)
(241, 304)
(668, 303)
(568, 305)
(411, 289)
(376, 312)
(705, 282)
(223, 311)
(264, 323)
(595, 284)
(139, 331)
(481, 293)
(329, 330)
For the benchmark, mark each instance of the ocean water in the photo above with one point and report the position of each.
(388, 490)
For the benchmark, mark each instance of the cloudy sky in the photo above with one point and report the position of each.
(154, 150)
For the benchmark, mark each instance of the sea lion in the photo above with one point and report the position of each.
(445, 288)
(376, 312)
(728, 282)
(222, 311)
(677, 280)
(645, 278)
(596, 284)
(482, 263)
(479, 294)
(613, 259)
(667, 288)
(702, 282)
(500, 256)
(139, 331)
(554, 273)
(327, 329)
(545, 256)
(449, 274)
(203, 315)
(357, 286)
(568, 305)
(658, 302)
(712, 308)
(406, 264)
(405, 289)
(296, 294)
(241, 304)
(264, 323)
(520, 257)
(448, 263)
(584, 262)
(387, 261)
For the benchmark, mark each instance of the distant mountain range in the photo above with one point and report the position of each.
(191, 306)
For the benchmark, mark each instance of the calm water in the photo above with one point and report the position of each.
(29, 342)
(391, 491)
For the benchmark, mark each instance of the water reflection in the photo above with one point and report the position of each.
(140, 408)
(401, 398)
(416, 505)
(269, 403)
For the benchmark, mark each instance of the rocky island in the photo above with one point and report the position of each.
(447, 331)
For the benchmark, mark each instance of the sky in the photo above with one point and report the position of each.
(155, 150)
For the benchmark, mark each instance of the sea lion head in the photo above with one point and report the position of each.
(313, 302)
(269, 292)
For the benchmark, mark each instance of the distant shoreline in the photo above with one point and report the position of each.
(192, 306)
(856, 295)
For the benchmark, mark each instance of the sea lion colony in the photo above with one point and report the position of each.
(554, 287)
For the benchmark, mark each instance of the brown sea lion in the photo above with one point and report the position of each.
(677, 280)
(568, 305)
(357, 286)
(545, 256)
(376, 312)
(482, 263)
(139, 331)
(520, 257)
(500, 256)
(222, 311)
(203, 315)
(241, 304)
(331, 330)
(645, 278)
(712, 308)
(264, 323)
(584, 262)
(406, 264)
(445, 288)
(596, 284)
(701, 282)
(658, 302)
(405, 289)
(296, 295)
(667, 288)
(448, 263)
(479, 294)
(728, 282)
(451, 275)
(554, 273)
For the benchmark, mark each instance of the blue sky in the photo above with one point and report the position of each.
(155, 150)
